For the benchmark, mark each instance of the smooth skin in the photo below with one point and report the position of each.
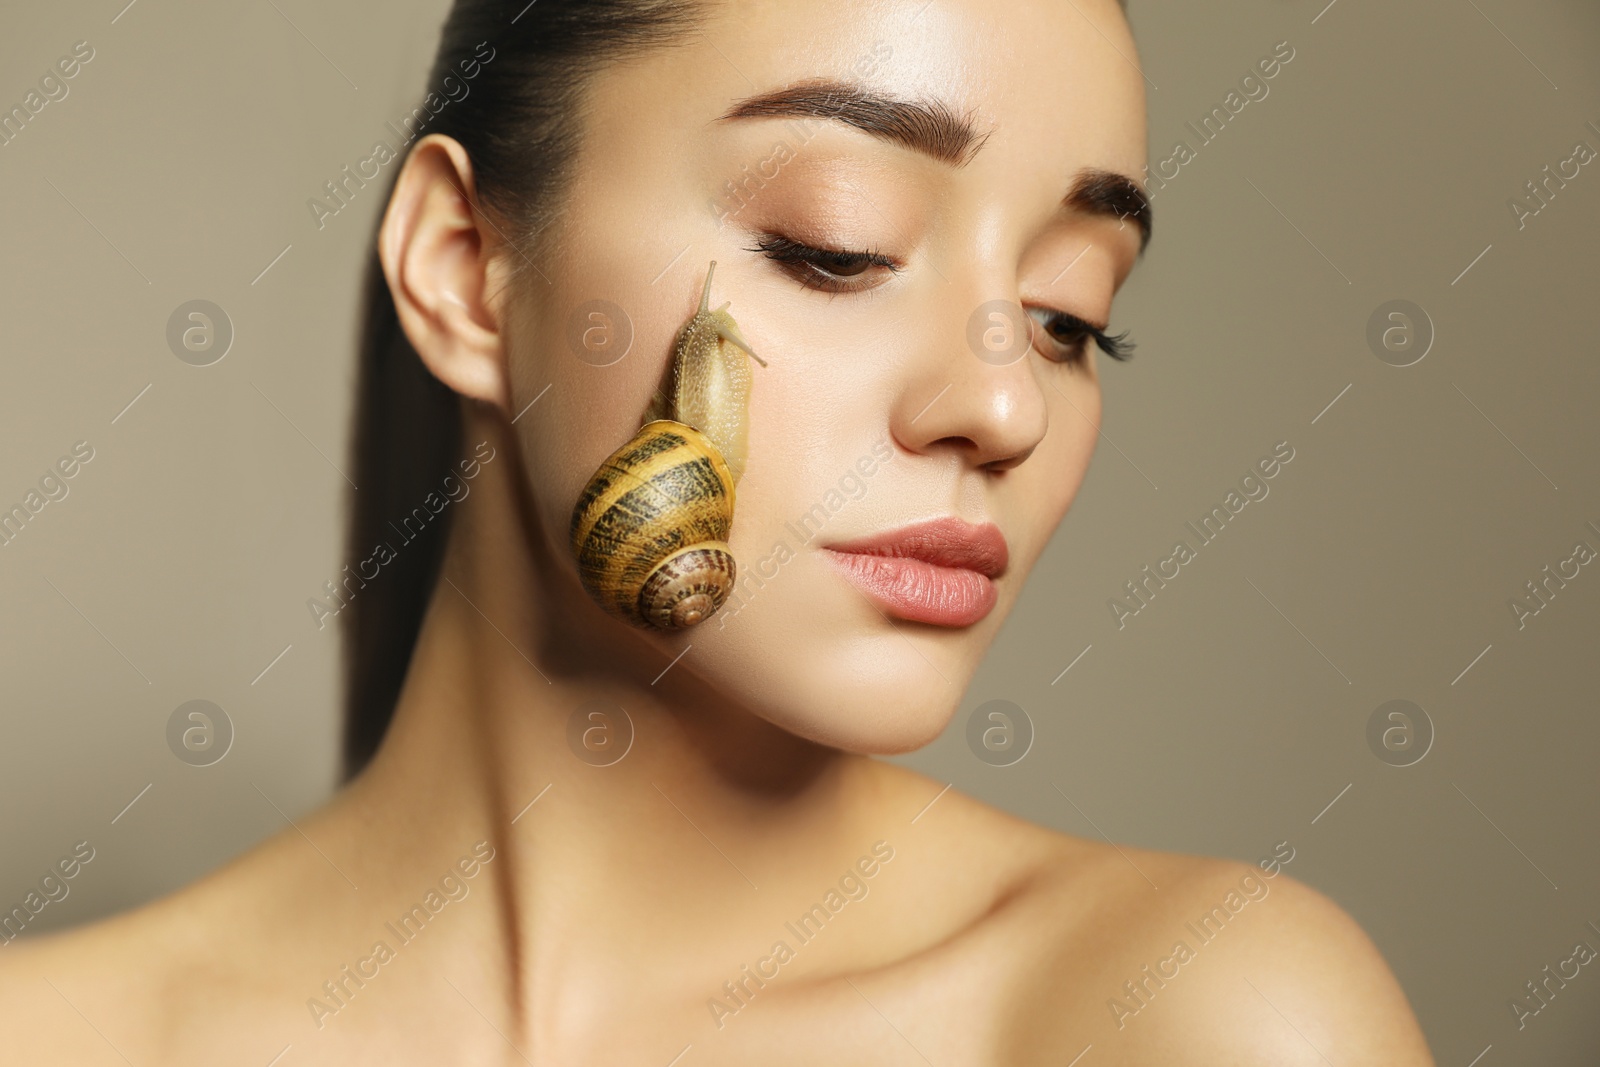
(617, 905)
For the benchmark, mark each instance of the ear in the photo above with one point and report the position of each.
(434, 251)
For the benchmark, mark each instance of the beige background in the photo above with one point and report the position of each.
(1378, 168)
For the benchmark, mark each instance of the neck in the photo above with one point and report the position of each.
(635, 812)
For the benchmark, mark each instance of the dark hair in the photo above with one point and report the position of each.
(520, 122)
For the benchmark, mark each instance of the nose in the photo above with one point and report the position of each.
(976, 392)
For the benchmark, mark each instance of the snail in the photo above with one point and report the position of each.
(650, 530)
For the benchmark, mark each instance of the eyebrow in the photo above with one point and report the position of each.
(935, 130)
(1112, 194)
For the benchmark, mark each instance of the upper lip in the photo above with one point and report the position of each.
(944, 542)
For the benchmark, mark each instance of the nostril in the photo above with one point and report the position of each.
(1010, 461)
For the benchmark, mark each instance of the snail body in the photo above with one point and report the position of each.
(650, 529)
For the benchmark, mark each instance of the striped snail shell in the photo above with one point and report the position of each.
(650, 530)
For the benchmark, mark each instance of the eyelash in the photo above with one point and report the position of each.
(809, 265)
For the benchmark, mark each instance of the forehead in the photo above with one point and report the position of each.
(1051, 85)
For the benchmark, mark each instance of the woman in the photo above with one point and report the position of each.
(570, 839)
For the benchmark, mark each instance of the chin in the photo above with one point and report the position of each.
(867, 721)
(811, 656)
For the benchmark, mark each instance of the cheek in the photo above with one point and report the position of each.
(1038, 498)
(585, 403)
(1075, 402)
(815, 412)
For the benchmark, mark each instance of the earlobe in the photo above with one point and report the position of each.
(433, 245)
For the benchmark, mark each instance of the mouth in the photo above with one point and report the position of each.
(940, 571)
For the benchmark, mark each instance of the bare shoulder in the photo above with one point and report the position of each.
(1206, 960)
(124, 987)
(59, 991)
(1148, 956)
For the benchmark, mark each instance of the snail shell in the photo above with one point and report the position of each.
(650, 531)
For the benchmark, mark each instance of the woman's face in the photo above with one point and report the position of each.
(891, 395)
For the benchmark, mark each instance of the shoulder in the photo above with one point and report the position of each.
(126, 987)
(1208, 960)
(1171, 957)
(59, 991)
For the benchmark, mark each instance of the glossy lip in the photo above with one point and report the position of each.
(939, 571)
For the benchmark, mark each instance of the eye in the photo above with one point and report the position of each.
(1070, 336)
(829, 270)
(834, 270)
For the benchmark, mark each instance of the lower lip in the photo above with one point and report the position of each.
(919, 591)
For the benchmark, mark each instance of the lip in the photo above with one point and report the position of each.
(940, 571)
